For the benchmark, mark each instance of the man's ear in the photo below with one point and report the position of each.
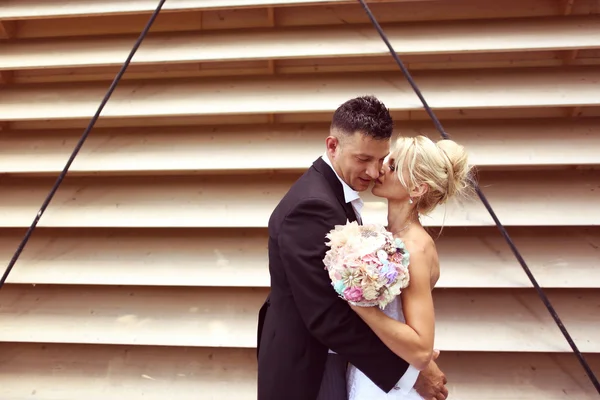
(332, 144)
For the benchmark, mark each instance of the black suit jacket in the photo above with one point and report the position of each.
(303, 316)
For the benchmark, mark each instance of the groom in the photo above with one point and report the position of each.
(306, 333)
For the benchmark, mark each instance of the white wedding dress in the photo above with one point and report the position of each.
(360, 387)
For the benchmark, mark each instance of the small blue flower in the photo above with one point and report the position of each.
(406, 260)
(399, 243)
(339, 287)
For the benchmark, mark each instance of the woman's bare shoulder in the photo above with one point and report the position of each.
(420, 243)
(423, 253)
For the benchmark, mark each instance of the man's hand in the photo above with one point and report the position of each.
(431, 383)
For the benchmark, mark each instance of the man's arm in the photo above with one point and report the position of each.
(329, 318)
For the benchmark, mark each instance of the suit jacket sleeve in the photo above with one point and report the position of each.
(329, 318)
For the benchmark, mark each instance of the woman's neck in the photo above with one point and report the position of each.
(401, 215)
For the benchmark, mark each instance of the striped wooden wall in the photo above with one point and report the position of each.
(145, 275)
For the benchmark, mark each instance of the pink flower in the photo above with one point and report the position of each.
(371, 259)
(396, 258)
(353, 294)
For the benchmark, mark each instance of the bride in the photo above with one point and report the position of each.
(418, 176)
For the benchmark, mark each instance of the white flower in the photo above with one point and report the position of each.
(369, 293)
(382, 255)
(341, 234)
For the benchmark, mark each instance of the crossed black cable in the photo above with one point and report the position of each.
(487, 205)
(428, 109)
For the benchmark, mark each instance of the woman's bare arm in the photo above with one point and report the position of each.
(412, 341)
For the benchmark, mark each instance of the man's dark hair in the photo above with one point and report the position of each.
(365, 114)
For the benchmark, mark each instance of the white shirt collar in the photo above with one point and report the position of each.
(349, 194)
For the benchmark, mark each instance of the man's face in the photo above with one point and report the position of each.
(358, 158)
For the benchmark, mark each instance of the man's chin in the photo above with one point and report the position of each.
(362, 185)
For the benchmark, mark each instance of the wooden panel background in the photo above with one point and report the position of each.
(224, 105)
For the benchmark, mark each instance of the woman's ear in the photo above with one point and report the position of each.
(419, 191)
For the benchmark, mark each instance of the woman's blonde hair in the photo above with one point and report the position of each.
(442, 166)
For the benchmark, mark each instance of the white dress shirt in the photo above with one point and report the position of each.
(406, 383)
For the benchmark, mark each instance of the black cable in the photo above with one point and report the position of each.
(487, 205)
(80, 143)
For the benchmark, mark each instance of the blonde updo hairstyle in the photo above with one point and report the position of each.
(442, 166)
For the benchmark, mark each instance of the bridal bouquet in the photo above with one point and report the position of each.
(366, 265)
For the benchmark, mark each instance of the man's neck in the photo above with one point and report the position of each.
(349, 193)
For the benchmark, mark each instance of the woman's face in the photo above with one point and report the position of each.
(388, 184)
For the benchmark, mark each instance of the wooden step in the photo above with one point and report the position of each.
(559, 257)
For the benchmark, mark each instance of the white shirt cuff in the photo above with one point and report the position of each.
(407, 382)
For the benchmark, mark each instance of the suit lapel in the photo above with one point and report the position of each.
(336, 185)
